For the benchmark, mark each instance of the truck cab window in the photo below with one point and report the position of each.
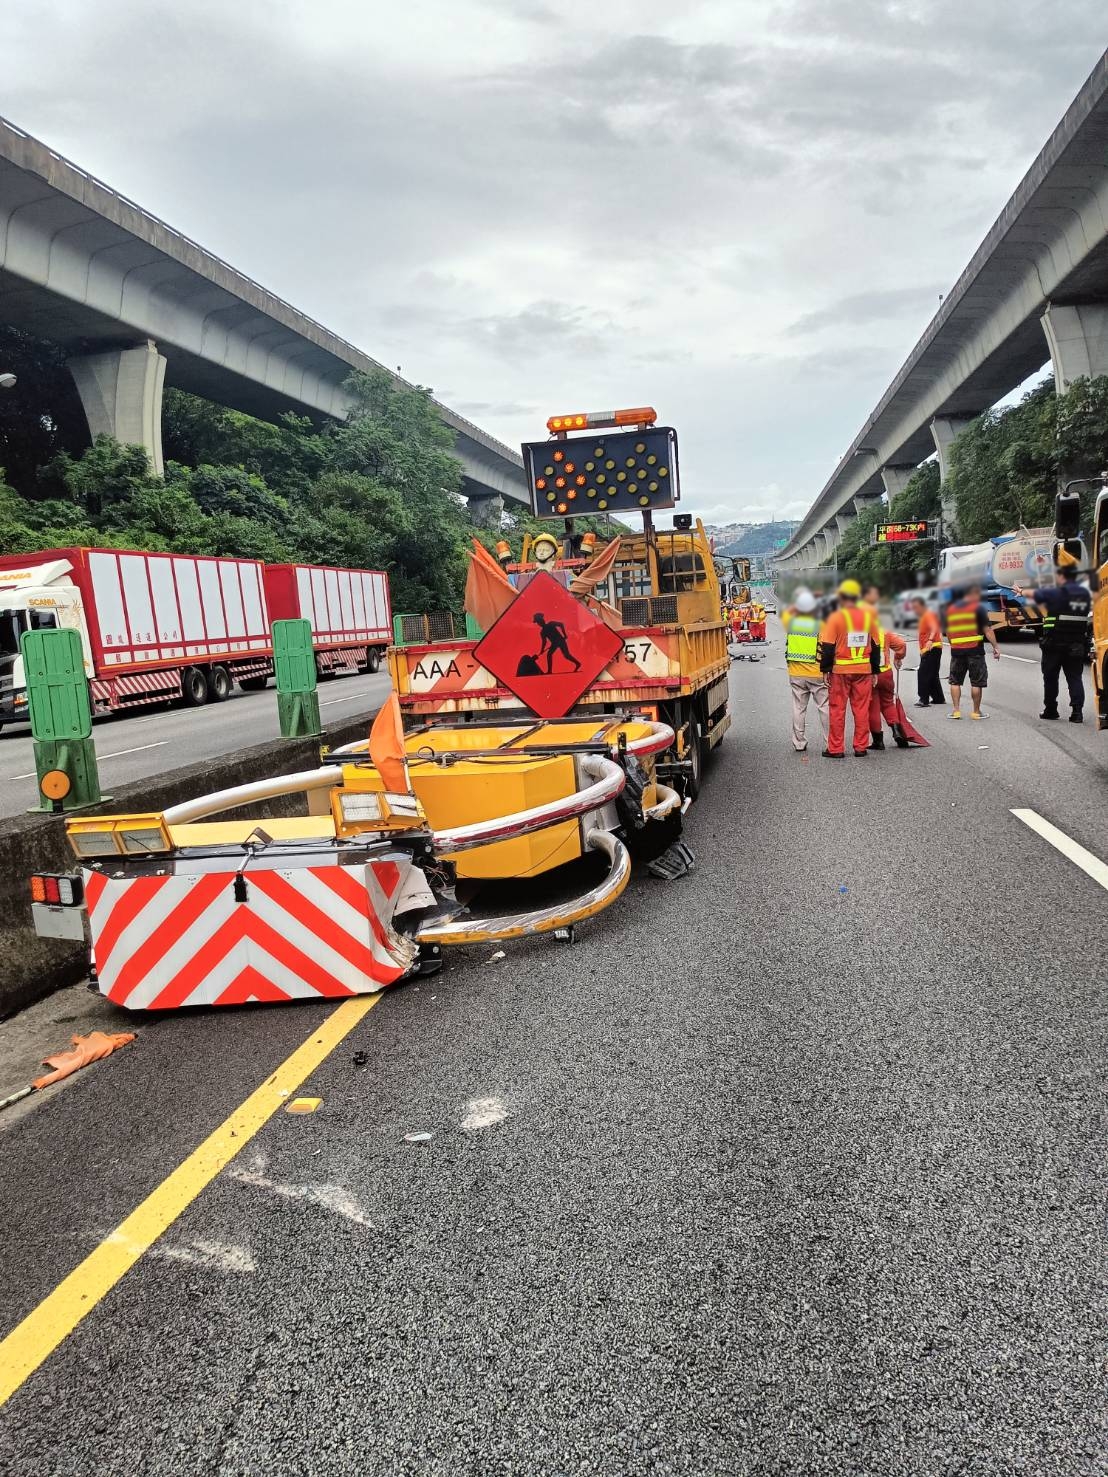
(43, 620)
(11, 628)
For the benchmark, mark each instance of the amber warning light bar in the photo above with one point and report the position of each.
(596, 420)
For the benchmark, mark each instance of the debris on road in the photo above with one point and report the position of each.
(85, 1049)
(493, 958)
(483, 1112)
(418, 1138)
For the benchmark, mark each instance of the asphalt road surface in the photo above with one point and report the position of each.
(152, 740)
(794, 1166)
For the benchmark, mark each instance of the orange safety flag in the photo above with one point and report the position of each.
(386, 747)
(489, 591)
(597, 572)
(85, 1049)
(607, 613)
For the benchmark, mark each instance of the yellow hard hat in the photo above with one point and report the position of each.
(850, 590)
(544, 538)
(1065, 560)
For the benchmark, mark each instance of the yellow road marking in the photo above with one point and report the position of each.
(35, 1339)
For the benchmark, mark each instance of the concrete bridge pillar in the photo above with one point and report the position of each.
(486, 512)
(1077, 336)
(864, 501)
(945, 430)
(896, 479)
(121, 392)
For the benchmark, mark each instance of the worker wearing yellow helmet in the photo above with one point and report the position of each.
(850, 659)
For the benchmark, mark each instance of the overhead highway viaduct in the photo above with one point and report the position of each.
(136, 306)
(1036, 289)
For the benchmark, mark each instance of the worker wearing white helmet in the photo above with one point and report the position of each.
(802, 659)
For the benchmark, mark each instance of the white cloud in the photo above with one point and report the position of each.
(740, 211)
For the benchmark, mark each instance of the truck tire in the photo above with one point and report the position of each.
(219, 684)
(194, 687)
(372, 661)
(694, 777)
(253, 684)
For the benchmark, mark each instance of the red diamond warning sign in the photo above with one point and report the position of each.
(547, 647)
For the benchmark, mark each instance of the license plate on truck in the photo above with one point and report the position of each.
(58, 923)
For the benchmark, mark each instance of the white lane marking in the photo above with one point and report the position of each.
(350, 698)
(119, 753)
(1011, 657)
(1090, 864)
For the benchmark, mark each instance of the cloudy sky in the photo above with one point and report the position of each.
(740, 211)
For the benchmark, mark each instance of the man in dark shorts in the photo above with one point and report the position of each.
(967, 629)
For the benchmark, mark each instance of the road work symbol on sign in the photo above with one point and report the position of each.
(547, 647)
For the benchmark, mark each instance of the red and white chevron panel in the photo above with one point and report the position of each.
(159, 943)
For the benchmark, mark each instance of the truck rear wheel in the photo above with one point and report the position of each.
(220, 684)
(694, 742)
(253, 684)
(194, 687)
(372, 661)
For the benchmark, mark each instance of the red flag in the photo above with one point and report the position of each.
(386, 747)
(489, 591)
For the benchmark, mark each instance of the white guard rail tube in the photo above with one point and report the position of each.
(667, 800)
(280, 784)
(609, 780)
(542, 920)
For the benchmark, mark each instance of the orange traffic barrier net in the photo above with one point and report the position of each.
(85, 1049)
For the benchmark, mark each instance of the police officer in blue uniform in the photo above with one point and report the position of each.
(1065, 638)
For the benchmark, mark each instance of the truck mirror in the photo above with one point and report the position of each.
(1067, 515)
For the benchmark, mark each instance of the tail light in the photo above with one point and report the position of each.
(64, 891)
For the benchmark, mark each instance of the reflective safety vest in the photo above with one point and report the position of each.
(961, 626)
(886, 664)
(1070, 629)
(853, 646)
(802, 642)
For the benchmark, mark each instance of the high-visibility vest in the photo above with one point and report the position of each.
(961, 626)
(886, 664)
(852, 648)
(1070, 629)
(802, 642)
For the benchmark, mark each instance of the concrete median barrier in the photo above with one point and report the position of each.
(31, 967)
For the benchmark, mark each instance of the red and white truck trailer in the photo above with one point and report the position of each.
(160, 626)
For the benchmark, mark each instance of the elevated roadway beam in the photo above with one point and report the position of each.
(1036, 287)
(120, 290)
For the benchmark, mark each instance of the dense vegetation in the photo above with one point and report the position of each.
(760, 538)
(1005, 470)
(379, 490)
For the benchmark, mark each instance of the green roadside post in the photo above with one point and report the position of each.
(294, 665)
(61, 720)
(473, 630)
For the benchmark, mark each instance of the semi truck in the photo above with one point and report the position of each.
(1024, 557)
(158, 627)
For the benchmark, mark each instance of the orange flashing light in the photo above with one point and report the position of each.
(641, 415)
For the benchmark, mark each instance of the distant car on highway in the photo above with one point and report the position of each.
(903, 614)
